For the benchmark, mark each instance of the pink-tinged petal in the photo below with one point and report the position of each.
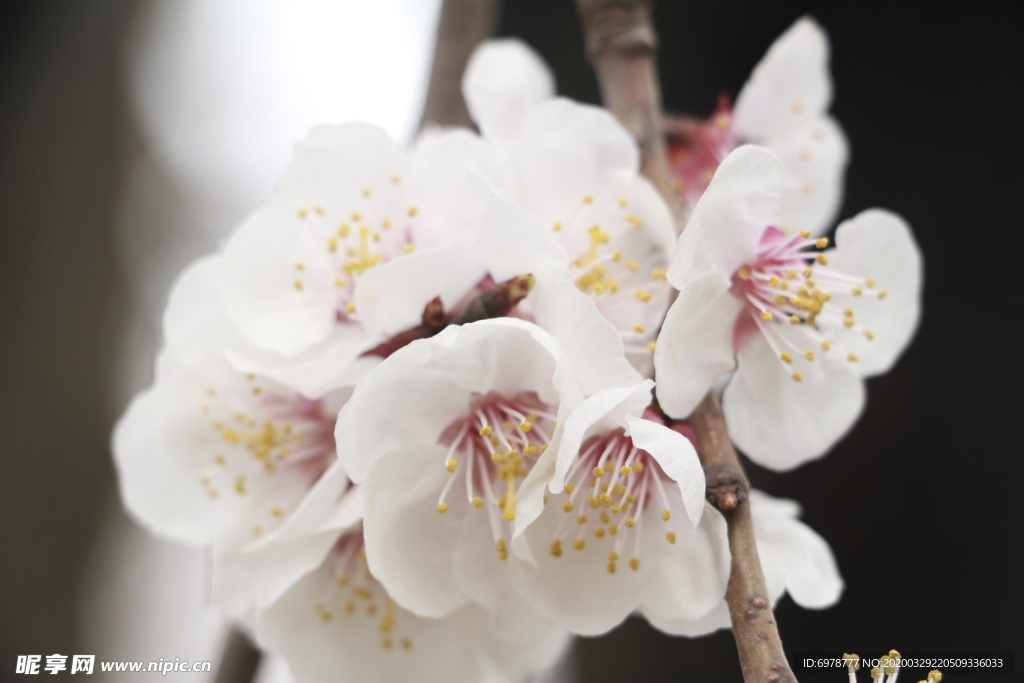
(677, 458)
(791, 549)
(878, 244)
(695, 345)
(403, 403)
(391, 297)
(790, 86)
(504, 81)
(781, 423)
(688, 578)
(409, 547)
(278, 283)
(514, 243)
(726, 225)
(815, 158)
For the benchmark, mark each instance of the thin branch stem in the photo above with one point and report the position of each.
(621, 46)
(238, 660)
(462, 26)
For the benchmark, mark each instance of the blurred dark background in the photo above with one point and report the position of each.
(920, 503)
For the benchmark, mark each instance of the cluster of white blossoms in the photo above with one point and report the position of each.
(395, 486)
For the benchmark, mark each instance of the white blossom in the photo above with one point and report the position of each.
(801, 328)
(783, 106)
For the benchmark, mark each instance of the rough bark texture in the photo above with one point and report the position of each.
(239, 659)
(463, 25)
(621, 46)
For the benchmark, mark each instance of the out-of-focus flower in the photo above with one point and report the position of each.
(784, 107)
(574, 168)
(794, 560)
(339, 624)
(801, 328)
(215, 457)
(360, 238)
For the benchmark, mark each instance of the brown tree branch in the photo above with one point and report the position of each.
(463, 25)
(238, 660)
(621, 45)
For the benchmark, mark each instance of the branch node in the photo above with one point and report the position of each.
(726, 486)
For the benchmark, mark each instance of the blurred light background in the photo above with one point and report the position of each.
(135, 133)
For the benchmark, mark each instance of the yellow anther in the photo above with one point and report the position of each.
(569, 488)
(332, 245)
(622, 202)
(298, 285)
(508, 426)
(485, 431)
(613, 556)
(409, 248)
(807, 273)
(651, 346)
(821, 259)
(634, 564)
(773, 281)
(743, 274)
(658, 273)
(881, 294)
(638, 328)
(413, 210)
(580, 544)
(442, 508)
(617, 255)
(582, 519)
(604, 517)
(594, 501)
(852, 660)
(240, 486)
(870, 282)
(530, 450)
(556, 548)
(567, 507)
(356, 217)
(798, 376)
(786, 358)
(805, 233)
(587, 199)
(452, 465)
(276, 512)
(766, 315)
(339, 282)
(634, 221)
(395, 179)
(343, 230)
(367, 192)
(629, 522)
(632, 265)
(848, 322)
(526, 425)
(643, 296)
(934, 676)
(598, 472)
(666, 515)
(637, 467)
(502, 550)
(794, 320)
(478, 502)
(625, 471)
(543, 448)
(856, 291)
(599, 532)
(825, 346)
(783, 285)
(557, 226)
(778, 300)
(351, 307)
(821, 243)
(670, 537)
(616, 509)
(852, 358)
(611, 567)
(791, 275)
(613, 529)
(869, 334)
(809, 354)
(302, 213)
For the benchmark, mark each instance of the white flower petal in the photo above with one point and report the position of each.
(878, 244)
(789, 547)
(695, 345)
(437, 146)
(259, 284)
(409, 546)
(815, 158)
(718, 618)
(404, 401)
(504, 81)
(726, 225)
(514, 244)
(194, 309)
(780, 423)
(677, 458)
(688, 578)
(789, 86)
(391, 297)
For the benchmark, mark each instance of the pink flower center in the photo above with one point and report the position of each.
(788, 291)
(697, 147)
